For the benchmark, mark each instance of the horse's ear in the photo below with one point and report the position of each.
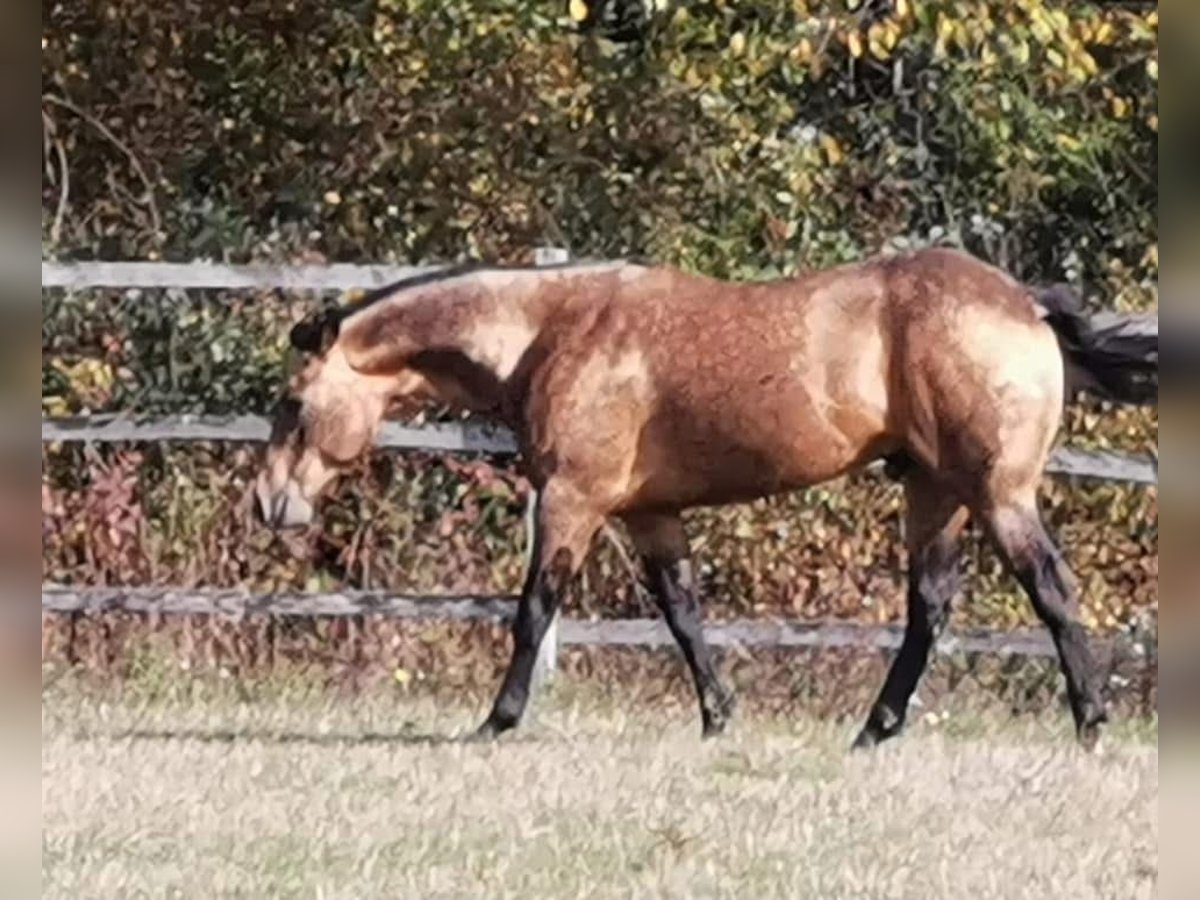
(316, 333)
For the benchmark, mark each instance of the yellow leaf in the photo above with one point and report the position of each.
(833, 150)
(1068, 142)
(1120, 107)
(402, 676)
(54, 406)
(902, 9)
(854, 42)
(737, 44)
(1041, 31)
(578, 10)
(945, 28)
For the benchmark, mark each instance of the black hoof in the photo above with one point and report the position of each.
(865, 741)
(1088, 733)
(1089, 716)
(716, 715)
(881, 724)
(485, 733)
(481, 735)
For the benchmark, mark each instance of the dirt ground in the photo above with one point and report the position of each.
(301, 793)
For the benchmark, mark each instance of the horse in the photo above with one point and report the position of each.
(638, 391)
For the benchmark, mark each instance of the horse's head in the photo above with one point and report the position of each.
(400, 350)
(327, 419)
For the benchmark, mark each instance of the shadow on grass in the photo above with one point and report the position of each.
(404, 737)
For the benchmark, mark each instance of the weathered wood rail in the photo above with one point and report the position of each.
(471, 437)
(238, 604)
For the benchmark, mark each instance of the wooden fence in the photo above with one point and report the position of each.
(466, 437)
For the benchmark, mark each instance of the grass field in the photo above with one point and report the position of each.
(306, 795)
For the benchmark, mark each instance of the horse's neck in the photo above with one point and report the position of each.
(466, 336)
(498, 318)
(492, 319)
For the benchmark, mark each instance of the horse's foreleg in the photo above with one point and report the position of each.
(1039, 567)
(563, 530)
(934, 522)
(668, 575)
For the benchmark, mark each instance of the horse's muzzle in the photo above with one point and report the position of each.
(286, 508)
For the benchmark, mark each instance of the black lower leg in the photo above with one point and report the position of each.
(932, 584)
(1044, 576)
(538, 604)
(671, 583)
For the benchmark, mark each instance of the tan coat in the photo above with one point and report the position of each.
(653, 389)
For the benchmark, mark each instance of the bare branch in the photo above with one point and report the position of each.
(148, 199)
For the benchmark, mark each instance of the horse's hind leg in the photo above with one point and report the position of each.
(1017, 529)
(933, 523)
(667, 565)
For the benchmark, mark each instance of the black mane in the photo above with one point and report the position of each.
(445, 274)
(413, 281)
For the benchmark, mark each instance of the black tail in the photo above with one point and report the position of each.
(1117, 362)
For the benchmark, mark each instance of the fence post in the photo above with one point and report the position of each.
(547, 661)
(550, 256)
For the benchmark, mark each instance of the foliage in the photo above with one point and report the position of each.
(739, 139)
(736, 138)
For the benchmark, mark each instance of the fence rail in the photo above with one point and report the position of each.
(238, 604)
(194, 276)
(448, 437)
(473, 437)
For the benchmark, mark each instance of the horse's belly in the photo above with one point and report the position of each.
(716, 461)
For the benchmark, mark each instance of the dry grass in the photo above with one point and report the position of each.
(310, 796)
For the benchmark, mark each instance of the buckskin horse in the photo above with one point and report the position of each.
(636, 392)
